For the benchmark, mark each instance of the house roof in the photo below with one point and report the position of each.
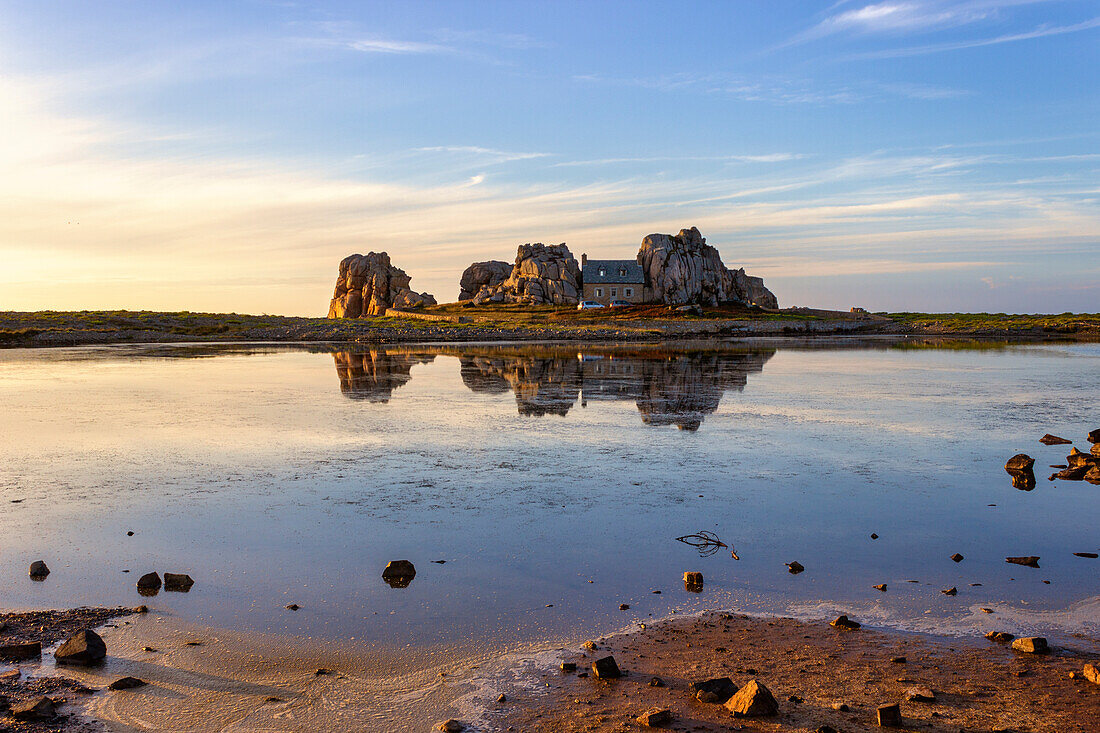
(614, 271)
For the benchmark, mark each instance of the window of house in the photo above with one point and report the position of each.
(599, 292)
(622, 272)
(628, 292)
(614, 292)
(603, 272)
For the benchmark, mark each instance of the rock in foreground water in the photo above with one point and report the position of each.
(1030, 645)
(39, 570)
(1020, 462)
(85, 647)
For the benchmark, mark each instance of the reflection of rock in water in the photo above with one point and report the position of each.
(669, 388)
(374, 375)
(543, 385)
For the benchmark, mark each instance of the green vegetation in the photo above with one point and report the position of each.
(999, 323)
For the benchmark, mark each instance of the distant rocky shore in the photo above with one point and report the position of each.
(456, 323)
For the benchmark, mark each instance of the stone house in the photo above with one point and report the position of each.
(608, 280)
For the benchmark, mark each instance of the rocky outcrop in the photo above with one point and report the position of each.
(542, 275)
(482, 275)
(748, 289)
(368, 285)
(683, 268)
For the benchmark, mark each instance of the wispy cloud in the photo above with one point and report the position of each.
(382, 45)
(764, 158)
(493, 155)
(1040, 32)
(899, 17)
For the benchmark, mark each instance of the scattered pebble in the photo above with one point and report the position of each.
(794, 568)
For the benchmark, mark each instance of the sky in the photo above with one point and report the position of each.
(224, 156)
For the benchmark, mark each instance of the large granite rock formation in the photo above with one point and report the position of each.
(683, 268)
(542, 274)
(482, 274)
(368, 285)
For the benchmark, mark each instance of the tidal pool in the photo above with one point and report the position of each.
(551, 480)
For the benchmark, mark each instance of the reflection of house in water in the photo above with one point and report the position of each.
(669, 386)
(374, 375)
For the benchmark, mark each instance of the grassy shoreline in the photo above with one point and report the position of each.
(454, 322)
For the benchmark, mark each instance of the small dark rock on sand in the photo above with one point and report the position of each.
(655, 718)
(605, 668)
(843, 622)
(754, 699)
(715, 691)
(656, 682)
(126, 683)
(38, 570)
(568, 667)
(624, 606)
(1031, 645)
(452, 726)
(40, 708)
(950, 591)
(889, 716)
(880, 586)
(85, 648)
(920, 694)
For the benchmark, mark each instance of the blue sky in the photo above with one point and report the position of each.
(900, 155)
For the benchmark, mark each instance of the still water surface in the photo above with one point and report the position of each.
(553, 480)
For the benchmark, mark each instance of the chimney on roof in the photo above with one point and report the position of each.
(584, 260)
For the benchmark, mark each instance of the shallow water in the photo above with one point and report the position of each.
(553, 480)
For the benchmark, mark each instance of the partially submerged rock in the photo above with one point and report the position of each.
(1020, 462)
(399, 573)
(1030, 645)
(693, 582)
(1094, 436)
(1049, 439)
(794, 568)
(752, 700)
(149, 584)
(843, 622)
(85, 648)
(178, 582)
(19, 652)
(38, 708)
(1031, 561)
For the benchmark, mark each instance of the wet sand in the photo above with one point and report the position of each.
(979, 685)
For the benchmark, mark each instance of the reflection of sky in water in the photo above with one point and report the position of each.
(533, 471)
